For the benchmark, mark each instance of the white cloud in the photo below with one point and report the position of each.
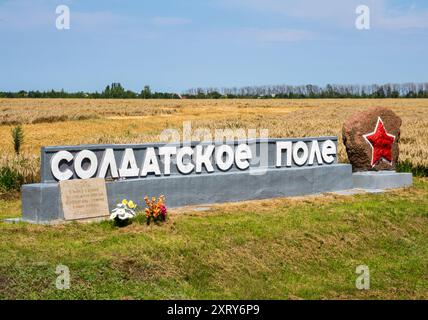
(27, 15)
(24, 14)
(277, 35)
(339, 13)
(403, 20)
(170, 21)
(116, 25)
(84, 20)
(336, 11)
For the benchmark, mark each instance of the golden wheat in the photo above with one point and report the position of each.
(26, 166)
(80, 121)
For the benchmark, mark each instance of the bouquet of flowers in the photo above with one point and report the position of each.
(123, 211)
(156, 209)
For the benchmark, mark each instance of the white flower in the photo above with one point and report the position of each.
(122, 212)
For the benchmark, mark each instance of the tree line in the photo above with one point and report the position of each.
(113, 91)
(391, 90)
(116, 91)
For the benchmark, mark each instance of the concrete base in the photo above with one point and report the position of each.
(41, 202)
(381, 179)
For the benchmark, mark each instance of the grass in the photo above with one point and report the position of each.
(417, 170)
(288, 248)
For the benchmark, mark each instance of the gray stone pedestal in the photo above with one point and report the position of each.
(41, 202)
(381, 179)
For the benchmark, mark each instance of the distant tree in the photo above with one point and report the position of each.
(106, 92)
(380, 93)
(214, 95)
(146, 93)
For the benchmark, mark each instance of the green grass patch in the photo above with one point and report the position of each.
(291, 248)
(418, 170)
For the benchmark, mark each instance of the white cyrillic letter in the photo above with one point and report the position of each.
(93, 164)
(202, 158)
(300, 159)
(150, 163)
(55, 161)
(315, 151)
(224, 164)
(242, 155)
(128, 167)
(185, 168)
(167, 152)
(108, 161)
(328, 151)
(280, 146)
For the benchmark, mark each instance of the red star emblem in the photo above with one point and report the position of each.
(381, 143)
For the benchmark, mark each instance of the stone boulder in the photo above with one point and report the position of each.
(371, 139)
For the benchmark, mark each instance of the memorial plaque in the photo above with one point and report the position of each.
(84, 199)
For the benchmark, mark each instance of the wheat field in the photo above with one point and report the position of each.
(49, 122)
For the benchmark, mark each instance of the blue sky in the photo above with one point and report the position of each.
(176, 45)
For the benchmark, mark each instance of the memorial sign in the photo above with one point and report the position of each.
(186, 173)
(200, 173)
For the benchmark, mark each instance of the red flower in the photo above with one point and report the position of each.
(163, 209)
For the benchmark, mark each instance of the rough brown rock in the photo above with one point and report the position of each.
(359, 150)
